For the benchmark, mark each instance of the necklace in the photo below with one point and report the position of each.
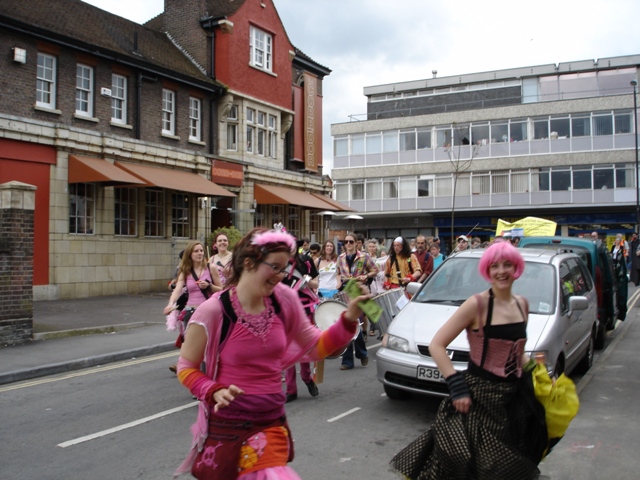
(258, 324)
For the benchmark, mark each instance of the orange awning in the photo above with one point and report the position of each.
(272, 195)
(91, 169)
(175, 180)
(335, 203)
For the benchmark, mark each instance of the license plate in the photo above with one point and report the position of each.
(430, 373)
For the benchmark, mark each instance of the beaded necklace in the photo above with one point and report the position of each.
(259, 324)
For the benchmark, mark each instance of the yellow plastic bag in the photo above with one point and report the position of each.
(560, 401)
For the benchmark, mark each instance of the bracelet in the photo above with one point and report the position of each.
(458, 387)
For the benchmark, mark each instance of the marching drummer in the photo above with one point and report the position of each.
(402, 266)
(353, 263)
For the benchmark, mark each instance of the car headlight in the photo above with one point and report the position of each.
(397, 343)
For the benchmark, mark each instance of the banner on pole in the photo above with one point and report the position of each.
(526, 227)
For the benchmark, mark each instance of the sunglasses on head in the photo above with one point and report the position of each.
(349, 241)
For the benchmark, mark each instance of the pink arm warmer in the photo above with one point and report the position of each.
(201, 386)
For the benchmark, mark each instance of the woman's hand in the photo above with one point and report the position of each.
(168, 309)
(225, 396)
(462, 405)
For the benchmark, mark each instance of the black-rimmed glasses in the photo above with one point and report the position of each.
(349, 241)
(276, 268)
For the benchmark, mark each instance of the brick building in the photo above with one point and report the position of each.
(141, 137)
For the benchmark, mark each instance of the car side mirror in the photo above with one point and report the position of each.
(413, 287)
(578, 303)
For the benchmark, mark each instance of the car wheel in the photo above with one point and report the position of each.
(559, 368)
(587, 361)
(395, 393)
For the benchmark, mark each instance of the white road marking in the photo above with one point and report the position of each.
(119, 428)
(353, 410)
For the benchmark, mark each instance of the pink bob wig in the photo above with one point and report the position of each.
(500, 251)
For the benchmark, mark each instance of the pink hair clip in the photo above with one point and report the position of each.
(274, 236)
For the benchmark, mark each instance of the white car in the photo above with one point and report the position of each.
(561, 329)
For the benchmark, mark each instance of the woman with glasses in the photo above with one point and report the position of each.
(359, 265)
(247, 335)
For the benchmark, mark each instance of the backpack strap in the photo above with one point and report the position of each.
(229, 317)
(487, 324)
(195, 277)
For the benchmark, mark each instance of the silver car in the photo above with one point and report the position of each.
(561, 330)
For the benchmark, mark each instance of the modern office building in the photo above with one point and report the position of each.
(551, 141)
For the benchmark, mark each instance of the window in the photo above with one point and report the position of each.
(559, 128)
(125, 207)
(390, 141)
(46, 81)
(272, 137)
(541, 128)
(443, 137)
(262, 132)
(293, 220)
(602, 124)
(180, 215)
(341, 147)
(195, 119)
(581, 177)
(480, 134)
(374, 143)
(261, 49)
(342, 192)
(118, 99)
(153, 213)
(407, 140)
(425, 187)
(581, 126)
(499, 132)
(357, 191)
(390, 188)
(424, 138)
(84, 90)
(518, 130)
(407, 187)
(82, 208)
(500, 182)
(251, 130)
(168, 112)
(443, 186)
(357, 145)
(374, 189)
(232, 128)
(623, 122)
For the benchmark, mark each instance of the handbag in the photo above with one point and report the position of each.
(560, 401)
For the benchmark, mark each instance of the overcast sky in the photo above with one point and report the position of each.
(374, 42)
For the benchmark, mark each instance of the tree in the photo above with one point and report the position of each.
(459, 145)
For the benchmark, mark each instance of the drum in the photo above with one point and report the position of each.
(387, 301)
(327, 313)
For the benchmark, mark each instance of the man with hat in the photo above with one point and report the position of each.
(463, 243)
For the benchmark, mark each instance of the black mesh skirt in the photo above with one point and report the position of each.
(502, 437)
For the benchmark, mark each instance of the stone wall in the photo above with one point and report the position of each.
(17, 207)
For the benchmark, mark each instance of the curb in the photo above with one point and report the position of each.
(62, 367)
(77, 332)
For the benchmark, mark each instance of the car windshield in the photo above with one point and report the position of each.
(457, 279)
(583, 252)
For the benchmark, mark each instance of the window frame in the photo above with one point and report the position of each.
(232, 129)
(119, 99)
(180, 215)
(84, 93)
(168, 111)
(260, 49)
(88, 214)
(44, 81)
(128, 219)
(154, 208)
(195, 119)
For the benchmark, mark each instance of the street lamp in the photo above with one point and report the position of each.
(634, 84)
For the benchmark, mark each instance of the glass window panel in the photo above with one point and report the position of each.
(390, 141)
(540, 180)
(625, 176)
(407, 140)
(603, 178)
(499, 132)
(407, 188)
(462, 135)
(541, 128)
(581, 126)
(425, 187)
(560, 180)
(582, 179)
(560, 128)
(390, 189)
(480, 184)
(357, 191)
(374, 190)
(357, 145)
(374, 143)
(519, 131)
(443, 186)
(480, 134)
(443, 137)
(342, 192)
(500, 183)
(424, 138)
(463, 185)
(623, 122)
(341, 147)
(603, 125)
(520, 182)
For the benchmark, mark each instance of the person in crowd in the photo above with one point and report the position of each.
(304, 246)
(246, 336)
(462, 244)
(201, 282)
(327, 265)
(355, 264)
(314, 250)
(402, 266)
(360, 242)
(441, 246)
(476, 242)
(372, 249)
(424, 258)
(222, 256)
(482, 430)
(302, 277)
(634, 256)
(619, 256)
(438, 257)
(594, 235)
(412, 245)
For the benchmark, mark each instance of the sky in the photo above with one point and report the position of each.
(376, 42)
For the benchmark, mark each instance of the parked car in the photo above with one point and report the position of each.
(598, 259)
(561, 329)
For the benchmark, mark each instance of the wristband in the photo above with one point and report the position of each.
(208, 398)
(458, 387)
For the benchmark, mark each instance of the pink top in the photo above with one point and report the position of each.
(196, 297)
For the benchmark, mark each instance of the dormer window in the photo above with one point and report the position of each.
(261, 47)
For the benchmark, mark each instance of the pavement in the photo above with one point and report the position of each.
(601, 441)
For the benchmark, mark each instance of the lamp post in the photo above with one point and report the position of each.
(634, 84)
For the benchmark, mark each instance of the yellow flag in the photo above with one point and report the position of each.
(527, 227)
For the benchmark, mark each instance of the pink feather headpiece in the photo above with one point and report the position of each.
(274, 236)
